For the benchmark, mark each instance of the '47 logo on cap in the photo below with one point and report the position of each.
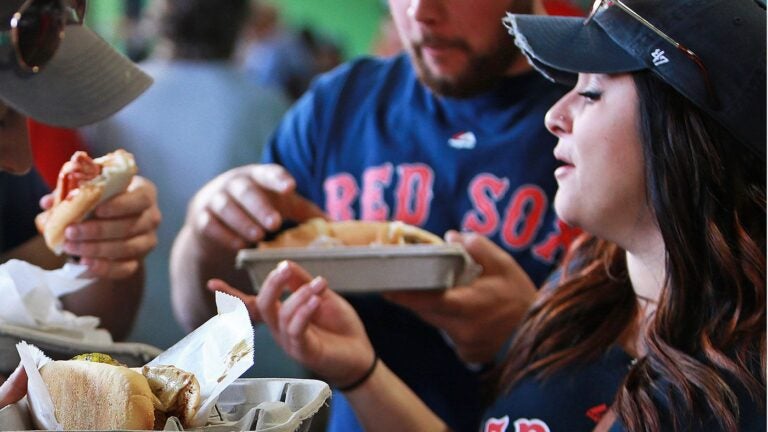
(658, 57)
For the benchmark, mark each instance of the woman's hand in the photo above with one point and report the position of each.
(314, 325)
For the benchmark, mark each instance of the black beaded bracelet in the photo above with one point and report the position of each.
(360, 381)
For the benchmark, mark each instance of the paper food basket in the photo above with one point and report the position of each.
(252, 404)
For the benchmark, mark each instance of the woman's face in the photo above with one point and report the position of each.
(601, 179)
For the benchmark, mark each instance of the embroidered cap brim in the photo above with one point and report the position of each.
(561, 47)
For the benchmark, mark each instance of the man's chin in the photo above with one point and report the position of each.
(453, 78)
(456, 86)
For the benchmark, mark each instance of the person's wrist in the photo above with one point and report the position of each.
(362, 379)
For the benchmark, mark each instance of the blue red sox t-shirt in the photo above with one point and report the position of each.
(369, 141)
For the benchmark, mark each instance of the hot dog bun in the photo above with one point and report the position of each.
(88, 395)
(320, 232)
(83, 184)
(98, 396)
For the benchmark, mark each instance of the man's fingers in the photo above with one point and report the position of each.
(259, 204)
(300, 209)
(112, 229)
(211, 228)
(491, 257)
(280, 187)
(109, 269)
(249, 202)
(234, 217)
(129, 203)
(273, 177)
(140, 195)
(46, 201)
(132, 248)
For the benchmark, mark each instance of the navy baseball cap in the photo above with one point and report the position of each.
(727, 36)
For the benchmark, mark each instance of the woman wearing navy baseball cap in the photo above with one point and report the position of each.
(656, 321)
(663, 143)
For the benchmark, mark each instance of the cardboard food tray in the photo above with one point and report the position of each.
(252, 404)
(370, 268)
(61, 347)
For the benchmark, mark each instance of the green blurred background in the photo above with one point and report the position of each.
(352, 24)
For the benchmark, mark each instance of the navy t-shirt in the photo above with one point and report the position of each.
(573, 399)
(19, 204)
(369, 141)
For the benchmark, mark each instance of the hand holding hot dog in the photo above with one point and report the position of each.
(119, 233)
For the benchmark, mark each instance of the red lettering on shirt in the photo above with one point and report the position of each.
(518, 225)
(557, 240)
(496, 425)
(413, 194)
(524, 216)
(485, 190)
(372, 204)
(596, 412)
(530, 425)
(340, 191)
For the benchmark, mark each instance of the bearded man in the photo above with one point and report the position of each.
(446, 136)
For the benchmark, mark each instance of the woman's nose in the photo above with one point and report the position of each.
(556, 121)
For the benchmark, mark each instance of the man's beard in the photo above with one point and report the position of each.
(482, 72)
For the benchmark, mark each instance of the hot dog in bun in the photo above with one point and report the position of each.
(319, 232)
(83, 184)
(100, 396)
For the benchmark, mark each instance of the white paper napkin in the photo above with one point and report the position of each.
(31, 299)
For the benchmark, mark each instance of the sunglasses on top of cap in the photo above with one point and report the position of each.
(37, 28)
(599, 5)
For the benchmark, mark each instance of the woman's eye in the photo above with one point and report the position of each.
(591, 95)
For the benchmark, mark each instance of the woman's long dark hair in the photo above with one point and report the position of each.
(707, 338)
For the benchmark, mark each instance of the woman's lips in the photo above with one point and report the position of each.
(566, 165)
(563, 171)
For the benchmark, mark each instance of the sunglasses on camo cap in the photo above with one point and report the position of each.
(37, 28)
